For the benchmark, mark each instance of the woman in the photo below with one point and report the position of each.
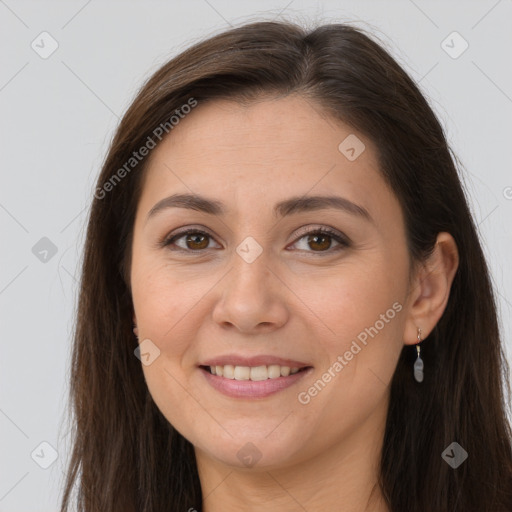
(284, 301)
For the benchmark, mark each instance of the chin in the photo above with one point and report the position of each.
(256, 454)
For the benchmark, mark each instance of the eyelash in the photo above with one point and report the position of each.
(343, 242)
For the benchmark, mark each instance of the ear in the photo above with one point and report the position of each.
(431, 289)
(135, 329)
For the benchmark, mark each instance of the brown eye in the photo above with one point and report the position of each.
(197, 241)
(321, 241)
(189, 241)
(318, 241)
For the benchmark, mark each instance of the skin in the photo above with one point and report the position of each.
(300, 300)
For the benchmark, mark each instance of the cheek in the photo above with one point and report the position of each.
(362, 318)
(359, 315)
(164, 299)
(170, 391)
(166, 305)
(348, 300)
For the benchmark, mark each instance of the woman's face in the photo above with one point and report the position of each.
(255, 279)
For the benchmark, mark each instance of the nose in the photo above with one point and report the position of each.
(253, 298)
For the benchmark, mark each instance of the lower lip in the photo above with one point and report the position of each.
(252, 389)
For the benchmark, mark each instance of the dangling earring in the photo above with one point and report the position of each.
(418, 364)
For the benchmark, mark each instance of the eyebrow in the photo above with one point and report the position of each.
(288, 207)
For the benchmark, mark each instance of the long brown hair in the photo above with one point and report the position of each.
(126, 457)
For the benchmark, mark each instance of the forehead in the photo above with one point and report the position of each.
(267, 149)
(266, 129)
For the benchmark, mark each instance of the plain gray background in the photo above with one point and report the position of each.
(59, 113)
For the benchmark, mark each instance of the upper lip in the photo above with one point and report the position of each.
(263, 360)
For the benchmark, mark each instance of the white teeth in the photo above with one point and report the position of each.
(228, 371)
(254, 373)
(242, 372)
(274, 371)
(259, 373)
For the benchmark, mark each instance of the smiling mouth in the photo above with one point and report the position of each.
(254, 373)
